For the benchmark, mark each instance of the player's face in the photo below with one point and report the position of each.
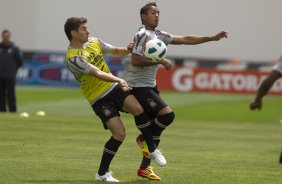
(151, 19)
(81, 34)
(6, 37)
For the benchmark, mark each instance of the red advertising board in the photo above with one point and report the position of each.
(185, 79)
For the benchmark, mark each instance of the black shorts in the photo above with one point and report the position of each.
(110, 105)
(150, 100)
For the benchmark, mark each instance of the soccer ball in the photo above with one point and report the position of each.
(155, 50)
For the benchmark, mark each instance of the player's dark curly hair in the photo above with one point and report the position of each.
(145, 8)
(73, 23)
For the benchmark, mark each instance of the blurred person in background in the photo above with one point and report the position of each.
(10, 61)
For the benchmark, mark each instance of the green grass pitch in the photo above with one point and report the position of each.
(214, 139)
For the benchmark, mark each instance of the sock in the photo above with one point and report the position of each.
(158, 126)
(147, 161)
(143, 124)
(110, 150)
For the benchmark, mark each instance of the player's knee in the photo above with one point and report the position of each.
(166, 119)
(142, 120)
(120, 135)
(137, 109)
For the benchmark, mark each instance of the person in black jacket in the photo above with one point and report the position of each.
(10, 61)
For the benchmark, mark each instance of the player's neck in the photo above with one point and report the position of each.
(76, 44)
(150, 28)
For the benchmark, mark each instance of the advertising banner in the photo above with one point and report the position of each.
(43, 68)
(188, 74)
(186, 79)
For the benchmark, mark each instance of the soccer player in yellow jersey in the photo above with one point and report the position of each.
(106, 93)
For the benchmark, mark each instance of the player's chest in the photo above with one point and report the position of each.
(93, 56)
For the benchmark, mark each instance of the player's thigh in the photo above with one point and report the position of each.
(105, 109)
(126, 102)
(132, 105)
(164, 110)
(150, 100)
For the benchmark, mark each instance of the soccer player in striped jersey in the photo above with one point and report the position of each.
(106, 93)
(140, 74)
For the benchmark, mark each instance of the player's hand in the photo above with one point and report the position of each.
(219, 36)
(130, 47)
(256, 105)
(166, 63)
(123, 85)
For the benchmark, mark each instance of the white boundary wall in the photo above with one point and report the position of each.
(255, 26)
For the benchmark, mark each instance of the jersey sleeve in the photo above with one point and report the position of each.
(278, 66)
(165, 37)
(106, 48)
(139, 42)
(79, 64)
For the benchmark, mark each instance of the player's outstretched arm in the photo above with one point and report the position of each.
(263, 89)
(194, 40)
(122, 51)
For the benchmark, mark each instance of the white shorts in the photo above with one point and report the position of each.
(278, 66)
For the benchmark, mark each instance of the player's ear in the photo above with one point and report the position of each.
(73, 33)
(143, 16)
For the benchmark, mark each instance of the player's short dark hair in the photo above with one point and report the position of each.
(144, 9)
(73, 23)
